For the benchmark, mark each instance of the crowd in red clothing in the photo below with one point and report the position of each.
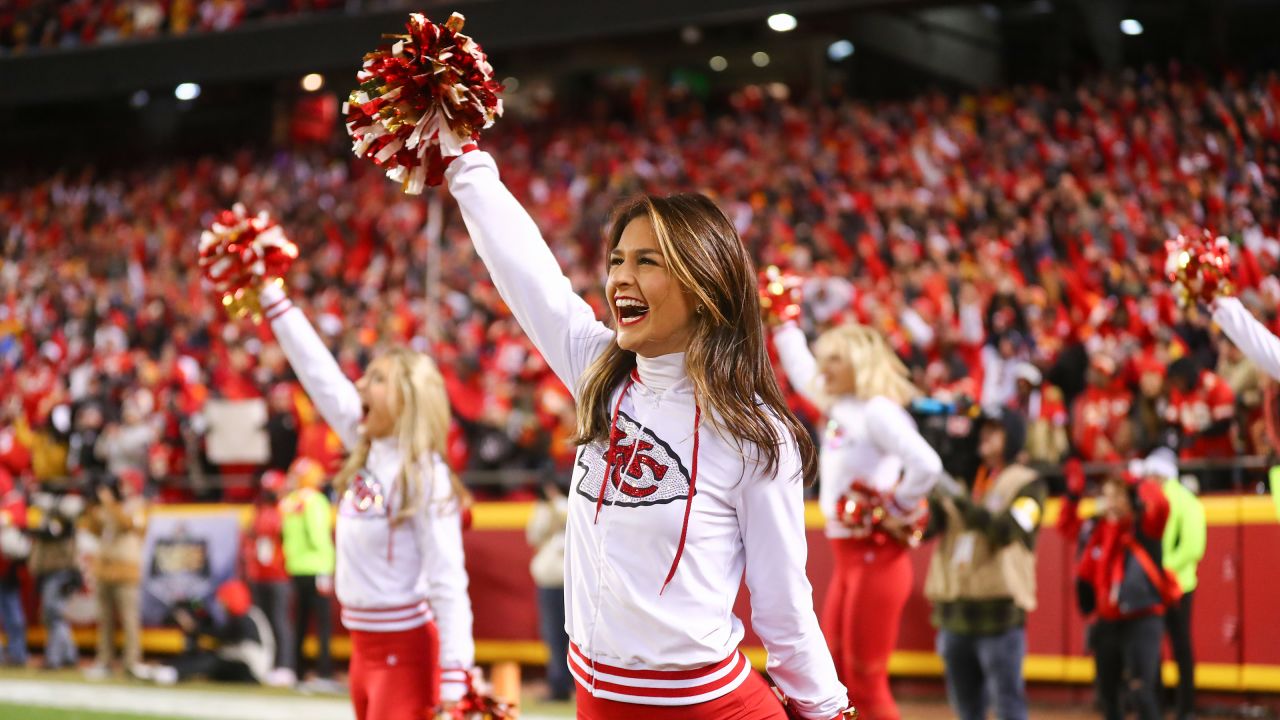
(45, 24)
(1010, 245)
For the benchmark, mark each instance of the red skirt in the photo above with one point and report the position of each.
(395, 675)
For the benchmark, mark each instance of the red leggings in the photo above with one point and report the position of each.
(395, 675)
(860, 618)
(753, 700)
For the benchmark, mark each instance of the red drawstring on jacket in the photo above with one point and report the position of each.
(693, 474)
(688, 503)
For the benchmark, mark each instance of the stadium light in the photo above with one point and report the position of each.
(718, 63)
(782, 22)
(312, 82)
(1129, 26)
(839, 50)
(139, 99)
(187, 91)
(691, 34)
(760, 59)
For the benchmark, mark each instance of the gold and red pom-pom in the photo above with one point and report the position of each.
(779, 294)
(1199, 266)
(239, 252)
(479, 703)
(421, 100)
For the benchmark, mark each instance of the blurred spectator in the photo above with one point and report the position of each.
(1122, 589)
(119, 520)
(264, 568)
(282, 427)
(15, 548)
(1183, 545)
(545, 533)
(1100, 427)
(1202, 408)
(1041, 404)
(306, 527)
(53, 563)
(125, 446)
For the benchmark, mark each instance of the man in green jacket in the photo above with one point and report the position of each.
(306, 537)
(1184, 541)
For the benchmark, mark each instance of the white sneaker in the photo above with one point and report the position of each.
(164, 675)
(142, 671)
(322, 686)
(97, 672)
(282, 677)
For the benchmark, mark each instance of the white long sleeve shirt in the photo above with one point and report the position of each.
(1252, 337)
(873, 441)
(629, 642)
(388, 578)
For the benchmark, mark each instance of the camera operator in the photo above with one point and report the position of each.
(982, 575)
(239, 647)
(53, 563)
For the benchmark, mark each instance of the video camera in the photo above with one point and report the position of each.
(950, 426)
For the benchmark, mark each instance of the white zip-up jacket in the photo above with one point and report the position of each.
(1252, 337)
(387, 578)
(873, 441)
(631, 640)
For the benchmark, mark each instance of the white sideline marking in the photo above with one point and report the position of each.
(177, 703)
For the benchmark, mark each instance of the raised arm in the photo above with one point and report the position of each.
(771, 517)
(895, 433)
(333, 393)
(561, 324)
(1252, 337)
(797, 360)
(441, 538)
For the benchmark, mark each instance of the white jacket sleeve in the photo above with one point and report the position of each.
(771, 518)
(895, 433)
(441, 542)
(561, 324)
(797, 360)
(1252, 337)
(333, 393)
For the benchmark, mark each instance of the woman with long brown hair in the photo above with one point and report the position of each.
(876, 470)
(690, 467)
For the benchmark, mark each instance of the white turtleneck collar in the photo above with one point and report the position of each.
(660, 373)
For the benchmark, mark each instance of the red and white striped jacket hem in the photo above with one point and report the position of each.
(393, 619)
(659, 687)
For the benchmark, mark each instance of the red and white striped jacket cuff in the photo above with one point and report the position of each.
(659, 687)
(454, 682)
(277, 308)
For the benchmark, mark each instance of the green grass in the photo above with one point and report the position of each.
(29, 712)
(10, 711)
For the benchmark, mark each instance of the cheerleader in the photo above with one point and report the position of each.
(400, 575)
(875, 472)
(1252, 337)
(690, 467)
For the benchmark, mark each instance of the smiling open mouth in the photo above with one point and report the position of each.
(630, 311)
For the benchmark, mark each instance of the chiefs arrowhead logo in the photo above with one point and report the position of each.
(364, 495)
(644, 469)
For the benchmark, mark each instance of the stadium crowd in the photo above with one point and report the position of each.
(48, 24)
(1010, 245)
